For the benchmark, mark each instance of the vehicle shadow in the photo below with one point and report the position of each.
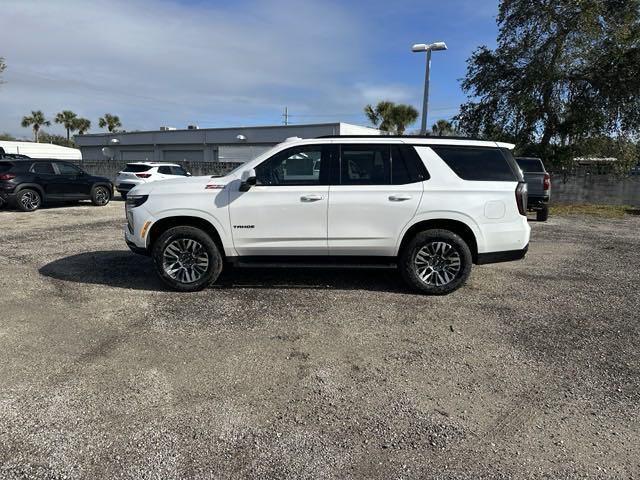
(123, 269)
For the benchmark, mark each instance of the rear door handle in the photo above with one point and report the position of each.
(311, 198)
(399, 198)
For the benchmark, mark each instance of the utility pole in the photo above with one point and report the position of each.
(285, 116)
(422, 47)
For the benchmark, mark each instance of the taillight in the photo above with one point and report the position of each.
(7, 176)
(143, 175)
(546, 183)
(521, 198)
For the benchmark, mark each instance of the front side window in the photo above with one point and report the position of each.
(477, 163)
(68, 169)
(295, 166)
(43, 168)
(365, 165)
(165, 170)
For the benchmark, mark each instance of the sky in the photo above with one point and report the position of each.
(224, 64)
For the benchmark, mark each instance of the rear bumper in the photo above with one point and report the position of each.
(498, 257)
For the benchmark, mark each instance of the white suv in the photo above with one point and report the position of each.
(430, 206)
(142, 172)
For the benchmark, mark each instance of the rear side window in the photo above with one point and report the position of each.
(406, 165)
(530, 165)
(5, 166)
(477, 163)
(165, 170)
(133, 168)
(365, 165)
(43, 167)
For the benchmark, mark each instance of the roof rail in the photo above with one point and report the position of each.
(433, 137)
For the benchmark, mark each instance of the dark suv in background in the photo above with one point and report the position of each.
(538, 186)
(29, 183)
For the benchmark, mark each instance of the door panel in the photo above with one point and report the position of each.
(280, 220)
(368, 219)
(72, 182)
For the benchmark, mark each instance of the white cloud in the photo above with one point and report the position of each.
(163, 62)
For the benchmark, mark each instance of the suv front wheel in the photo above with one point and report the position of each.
(435, 262)
(186, 259)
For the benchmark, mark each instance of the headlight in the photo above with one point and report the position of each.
(134, 201)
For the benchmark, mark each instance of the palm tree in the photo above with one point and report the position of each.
(112, 122)
(36, 120)
(402, 116)
(442, 128)
(68, 119)
(82, 125)
(389, 117)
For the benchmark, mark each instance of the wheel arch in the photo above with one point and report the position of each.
(32, 186)
(456, 226)
(163, 224)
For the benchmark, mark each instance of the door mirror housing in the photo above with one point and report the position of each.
(188, 174)
(247, 180)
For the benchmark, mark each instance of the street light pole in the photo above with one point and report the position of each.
(431, 47)
(425, 98)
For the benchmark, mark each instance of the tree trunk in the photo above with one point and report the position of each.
(35, 133)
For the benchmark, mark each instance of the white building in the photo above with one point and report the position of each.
(40, 150)
(237, 144)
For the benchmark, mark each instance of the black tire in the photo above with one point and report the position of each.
(28, 200)
(451, 257)
(543, 214)
(123, 195)
(100, 195)
(165, 247)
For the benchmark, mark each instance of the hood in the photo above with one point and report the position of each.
(178, 185)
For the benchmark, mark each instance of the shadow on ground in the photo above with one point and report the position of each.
(123, 269)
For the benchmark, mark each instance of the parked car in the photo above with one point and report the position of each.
(29, 183)
(143, 172)
(431, 207)
(538, 185)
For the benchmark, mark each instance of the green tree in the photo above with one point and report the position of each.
(562, 71)
(82, 125)
(7, 136)
(35, 121)
(68, 120)
(391, 117)
(111, 122)
(46, 137)
(443, 128)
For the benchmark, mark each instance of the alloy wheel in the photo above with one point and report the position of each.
(30, 200)
(101, 195)
(437, 263)
(185, 260)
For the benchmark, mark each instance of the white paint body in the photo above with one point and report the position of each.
(41, 150)
(368, 220)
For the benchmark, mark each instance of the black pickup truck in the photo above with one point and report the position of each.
(538, 185)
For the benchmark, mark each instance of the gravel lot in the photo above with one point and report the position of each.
(532, 370)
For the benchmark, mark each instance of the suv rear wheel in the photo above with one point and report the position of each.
(543, 214)
(186, 259)
(28, 200)
(435, 262)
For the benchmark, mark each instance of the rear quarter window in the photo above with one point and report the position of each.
(477, 163)
(133, 168)
(5, 166)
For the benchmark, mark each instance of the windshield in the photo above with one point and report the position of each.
(530, 165)
(242, 166)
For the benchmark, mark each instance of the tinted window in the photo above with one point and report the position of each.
(68, 169)
(133, 168)
(43, 167)
(530, 164)
(406, 165)
(365, 165)
(178, 171)
(477, 163)
(5, 166)
(295, 166)
(165, 170)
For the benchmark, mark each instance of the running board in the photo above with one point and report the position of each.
(313, 262)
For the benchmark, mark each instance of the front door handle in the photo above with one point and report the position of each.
(399, 198)
(311, 198)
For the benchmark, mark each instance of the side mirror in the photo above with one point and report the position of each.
(247, 180)
(188, 174)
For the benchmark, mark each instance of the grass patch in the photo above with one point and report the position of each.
(604, 211)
